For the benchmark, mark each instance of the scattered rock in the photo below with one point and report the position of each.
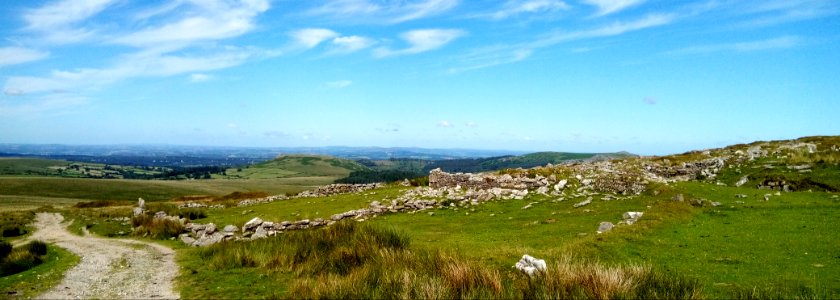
(583, 203)
(231, 228)
(678, 198)
(740, 196)
(767, 197)
(530, 265)
(742, 181)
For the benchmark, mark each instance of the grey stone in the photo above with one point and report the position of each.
(742, 181)
(678, 198)
(253, 223)
(210, 229)
(583, 203)
(230, 228)
(605, 226)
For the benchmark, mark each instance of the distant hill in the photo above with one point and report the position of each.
(297, 166)
(523, 161)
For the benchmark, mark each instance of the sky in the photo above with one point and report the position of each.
(645, 76)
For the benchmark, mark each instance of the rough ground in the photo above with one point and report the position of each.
(109, 268)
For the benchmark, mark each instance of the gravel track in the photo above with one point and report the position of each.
(109, 268)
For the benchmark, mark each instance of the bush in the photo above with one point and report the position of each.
(5, 249)
(23, 258)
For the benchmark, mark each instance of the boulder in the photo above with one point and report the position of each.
(633, 215)
(210, 229)
(530, 265)
(186, 239)
(230, 228)
(605, 226)
(253, 223)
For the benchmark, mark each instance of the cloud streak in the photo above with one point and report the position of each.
(606, 7)
(422, 40)
(387, 11)
(17, 55)
(782, 42)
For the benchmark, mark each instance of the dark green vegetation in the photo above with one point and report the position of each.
(19, 259)
(15, 223)
(350, 260)
(40, 277)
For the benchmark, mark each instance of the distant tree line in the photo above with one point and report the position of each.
(176, 173)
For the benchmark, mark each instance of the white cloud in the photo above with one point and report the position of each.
(58, 22)
(768, 44)
(311, 37)
(200, 77)
(472, 124)
(772, 12)
(387, 11)
(339, 84)
(506, 54)
(59, 102)
(17, 55)
(517, 7)
(613, 29)
(353, 43)
(232, 125)
(142, 64)
(444, 123)
(423, 40)
(204, 21)
(606, 7)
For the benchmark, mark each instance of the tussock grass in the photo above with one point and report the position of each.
(14, 224)
(16, 260)
(148, 226)
(361, 261)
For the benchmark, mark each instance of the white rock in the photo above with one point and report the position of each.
(530, 265)
(256, 221)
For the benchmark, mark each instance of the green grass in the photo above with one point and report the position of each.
(30, 166)
(300, 208)
(41, 278)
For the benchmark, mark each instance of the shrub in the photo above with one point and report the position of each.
(23, 258)
(5, 249)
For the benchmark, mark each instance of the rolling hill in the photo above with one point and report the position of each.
(297, 166)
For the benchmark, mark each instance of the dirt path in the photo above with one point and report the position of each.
(109, 268)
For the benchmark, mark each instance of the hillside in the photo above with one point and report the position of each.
(297, 166)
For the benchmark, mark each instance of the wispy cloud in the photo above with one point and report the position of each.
(276, 134)
(606, 7)
(143, 64)
(423, 40)
(310, 37)
(613, 29)
(59, 22)
(339, 84)
(444, 124)
(782, 42)
(773, 12)
(506, 54)
(388, 11)
(52, 103)
(518, 7)
(200, 77)
(353, 43)
(18, 55)
(471, 124)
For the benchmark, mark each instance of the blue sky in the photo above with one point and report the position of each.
(645, 76)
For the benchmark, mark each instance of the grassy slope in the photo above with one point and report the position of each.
(755, 244)
(298, 166)
(23, 166)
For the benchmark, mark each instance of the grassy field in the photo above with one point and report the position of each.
(787, 242)
(38, 189)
